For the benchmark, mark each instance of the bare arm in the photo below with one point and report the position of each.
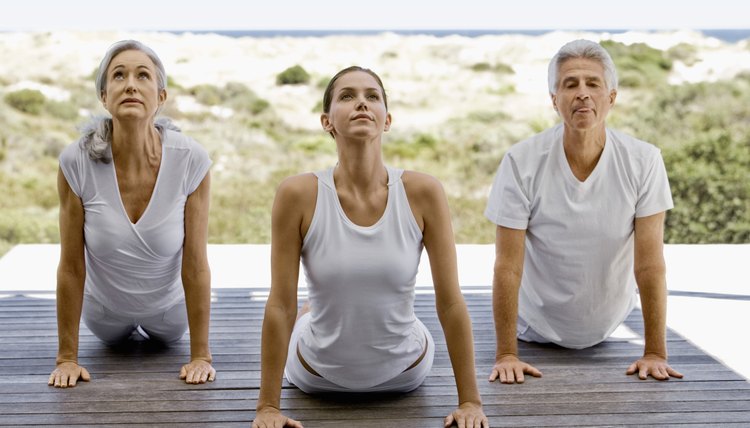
(196, 281)
(430, 205)
(650, 275)
(292, 212)
(509, 259)
(71, 274)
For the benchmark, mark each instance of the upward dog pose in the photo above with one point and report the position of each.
(579, 210)
(134, 198)
(359, 229)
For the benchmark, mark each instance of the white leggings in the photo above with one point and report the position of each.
(406, 381)
(528, 334)
(111, 328)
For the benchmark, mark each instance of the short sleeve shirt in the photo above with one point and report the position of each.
(134, 269)
(578, 283)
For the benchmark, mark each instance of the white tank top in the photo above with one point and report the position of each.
(363, 330)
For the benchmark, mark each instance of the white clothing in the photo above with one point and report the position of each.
(135, 269)
(406, 381)
(168, 326)
(363, 330)
(578, 283)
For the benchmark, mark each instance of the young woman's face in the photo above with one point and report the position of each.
(357, 107)
(132, 87)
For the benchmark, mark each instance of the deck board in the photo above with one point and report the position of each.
(138, 385)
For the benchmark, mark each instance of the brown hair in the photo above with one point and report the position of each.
(328, 94)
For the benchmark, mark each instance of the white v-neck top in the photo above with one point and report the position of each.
(578, 283)
(135, 269)
(363, 330)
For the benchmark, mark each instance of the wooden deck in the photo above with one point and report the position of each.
(139, 386)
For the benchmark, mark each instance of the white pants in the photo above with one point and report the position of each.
(406, 381)
(528, 334)
(112, 328)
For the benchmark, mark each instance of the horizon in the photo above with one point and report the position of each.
(300, 15)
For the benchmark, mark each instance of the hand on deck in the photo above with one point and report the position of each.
(272, 418)
(655, 366)
(197, 371)
(468, 415)
(67, 374)
(509, 369)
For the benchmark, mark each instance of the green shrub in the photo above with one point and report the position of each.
(209, 95)
(61, 110)
(481, 66)
(639, 65)
(684, 52)
(422, 145)
(710, 182)
(26, 100)
(293, 76)
(234, 95)
(240, 97)
(499, 68)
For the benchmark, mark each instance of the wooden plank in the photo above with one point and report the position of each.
(139, 385)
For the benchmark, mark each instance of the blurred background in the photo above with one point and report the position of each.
(464, 83)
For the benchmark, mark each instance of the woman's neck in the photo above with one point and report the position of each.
(135, 143)
(360, 166)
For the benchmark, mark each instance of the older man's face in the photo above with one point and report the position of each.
(582, 98)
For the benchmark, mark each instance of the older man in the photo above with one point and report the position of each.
(580, 215)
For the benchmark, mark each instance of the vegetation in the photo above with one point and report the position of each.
(28, 101)
(639, 65)
(293, 76)
(701, 128)
(499, 68)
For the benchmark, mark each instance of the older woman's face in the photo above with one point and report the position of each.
(132, 87)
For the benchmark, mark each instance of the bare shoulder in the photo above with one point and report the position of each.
(296, 197)
(422, 187)
(299, 187)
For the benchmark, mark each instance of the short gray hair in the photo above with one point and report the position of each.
(581, 49)
(128, 45)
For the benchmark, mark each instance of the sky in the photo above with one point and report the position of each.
(174, 15)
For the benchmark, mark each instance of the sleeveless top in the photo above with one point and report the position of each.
(363, 330)
(134, 269)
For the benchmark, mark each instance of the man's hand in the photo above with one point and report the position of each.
(509, 369)
(655, 366)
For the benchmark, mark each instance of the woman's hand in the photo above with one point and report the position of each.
(67, 374)
(197, 371)
(468, 415)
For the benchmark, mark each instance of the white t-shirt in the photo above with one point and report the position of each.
(578, 283)
(362, 330)
(135, 269)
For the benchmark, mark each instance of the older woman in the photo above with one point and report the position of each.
(359, 229)
(134, 196)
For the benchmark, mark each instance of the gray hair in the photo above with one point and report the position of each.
(96, 134)
(128, 45)
(582, 49)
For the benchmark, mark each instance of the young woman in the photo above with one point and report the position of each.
(359, 229)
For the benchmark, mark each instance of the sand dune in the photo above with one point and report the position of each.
(429, 79)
